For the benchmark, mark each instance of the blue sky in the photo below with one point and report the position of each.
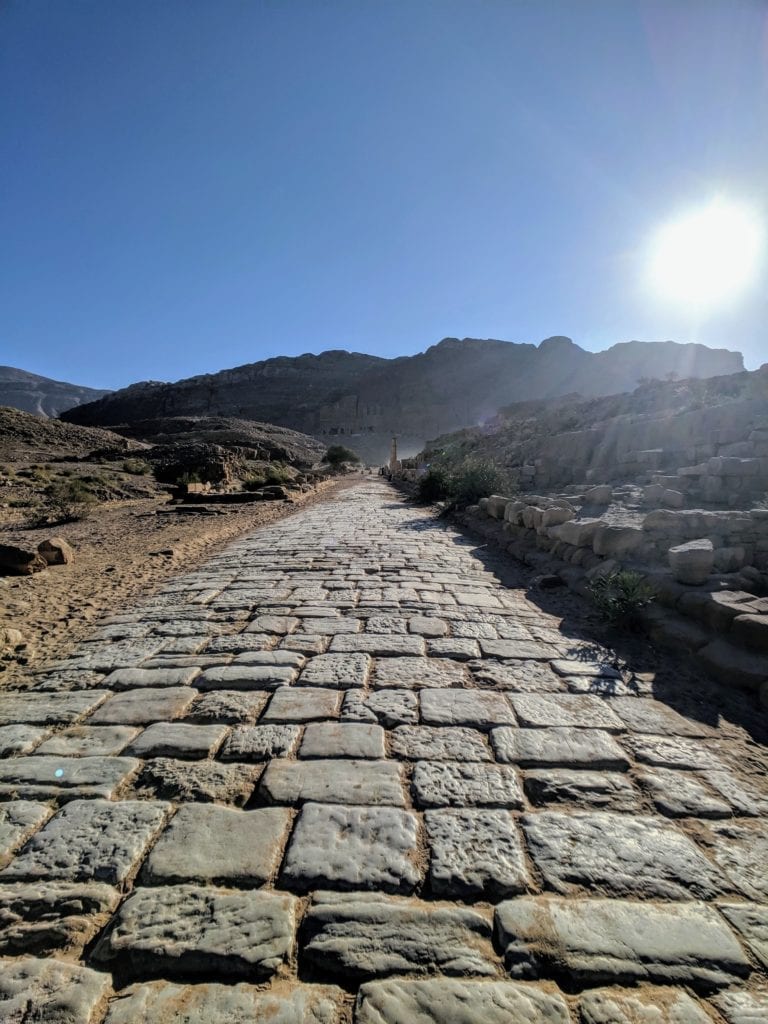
(187, 185)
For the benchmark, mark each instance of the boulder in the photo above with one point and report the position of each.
(56, 551)
(11, 638)
(556, 516)
(751, 631)
(19, 562)
(579, 532)
(663, 497)
(615, 541)
(600, 495)
(730, 559)
(692, 563)
(497, 503)
(735, 666)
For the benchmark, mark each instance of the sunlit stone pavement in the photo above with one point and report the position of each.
(344, 772)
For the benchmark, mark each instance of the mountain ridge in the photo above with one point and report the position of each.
(42, 396)
(367, 399)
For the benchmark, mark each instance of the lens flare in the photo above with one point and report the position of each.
(707, 256)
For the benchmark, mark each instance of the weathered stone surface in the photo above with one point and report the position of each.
(353, 848)
(203, 781)
(616, 941)
(680, 794)
(741, 794)
(135, 678)
(517, 676)
(55, 917)
(338, 671)
(429, 743)
(672, 752)
(389, 707)
(650, 716)
(349, 739)
(140, 707)
(583, 789)
(260, 742)
(692, 562)
(41, 778)
(379, 645)
(18, 820)
(178, 739)
(751, 921)
(217, 845)
(584, 711)
(559, 747)
(644, 1006)
(304, 704)
(246, 677)
(475, 853)
(20, 739)
(416, 673)
(620, 855)
(356, 936)
(230, 706)
(280, 624)
(734, 665)
(337, 782)
(743, 1007)
(181, 930)
(476, 708)
(29, 709)
(518, 649)
(445, 1001)
(89, 740)
(440, 784)
(90, 841)
(741, 850)
(456, 647)
(56, 993)
(424, 625)
(162, 1003)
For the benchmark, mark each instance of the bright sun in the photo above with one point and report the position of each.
(708, 255)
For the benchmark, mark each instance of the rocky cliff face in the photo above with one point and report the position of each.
(40, 395)
(366, 399)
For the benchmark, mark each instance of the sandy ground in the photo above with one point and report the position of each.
(123, 552)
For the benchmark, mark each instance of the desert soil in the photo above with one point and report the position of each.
(123, 551)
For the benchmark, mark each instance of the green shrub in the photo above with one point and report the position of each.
(253, 482)
(276, 474)
(475, 479)
(435, 485)
(620, 596)
(67, 501)
(337, 455)
(188, 478)
(136, 467)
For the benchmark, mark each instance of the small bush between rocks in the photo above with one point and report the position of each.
(478, 478)
(435, 485)
(136, 467)
(66, 501)
(620, 596)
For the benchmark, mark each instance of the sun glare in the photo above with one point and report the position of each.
(707, 256)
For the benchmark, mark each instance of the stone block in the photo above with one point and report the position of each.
(733, 665)
(374, 783)
(617, 541)
(357, 936)
(618, 941)
(475, 853)
(160, 1002)
(640, 1006)
(260, 742)
(186, 930)
(430, 743)
(353, 848)
(42, 778)
(214, 845)
(559, 747)
(19, 819)
(203, 781)
(58, 917)
(450, 784)
(578, 532)
(692, 563)
(449, 1001)
(337, 671)
(496, 506)
(178, 739)
(55, 992)
(752, 632)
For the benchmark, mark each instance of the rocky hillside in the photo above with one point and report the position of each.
(26, 438)
(40, 395)
(661, 426)
(366, 399)
(264, 439)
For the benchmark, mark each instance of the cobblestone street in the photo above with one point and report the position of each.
(353, 770)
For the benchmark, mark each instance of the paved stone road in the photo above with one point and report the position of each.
(343, 773)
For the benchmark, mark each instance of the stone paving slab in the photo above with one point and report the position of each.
(162, 1003)
(180, 930)
(358, 936)
(618, 941)
(302, 782)
(60, 993)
